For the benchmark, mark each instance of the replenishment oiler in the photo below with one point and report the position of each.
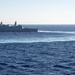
(15, 28)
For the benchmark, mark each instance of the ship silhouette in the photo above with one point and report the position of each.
(15, 28)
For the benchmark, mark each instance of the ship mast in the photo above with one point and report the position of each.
(15, 23)
(1, 23)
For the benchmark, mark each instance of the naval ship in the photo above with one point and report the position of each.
(15, 28)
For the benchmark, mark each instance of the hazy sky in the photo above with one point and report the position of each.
(38, 11)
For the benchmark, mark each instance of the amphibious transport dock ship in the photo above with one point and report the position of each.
(15, 28)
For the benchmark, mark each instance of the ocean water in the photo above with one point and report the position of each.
(46, 52)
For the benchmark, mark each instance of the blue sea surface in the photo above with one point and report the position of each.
(37, 53)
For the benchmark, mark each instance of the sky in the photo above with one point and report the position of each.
(37, 11)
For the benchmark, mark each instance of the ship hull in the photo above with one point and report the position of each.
(22, 30)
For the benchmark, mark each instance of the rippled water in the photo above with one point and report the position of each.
(55, 58)
(42, 53)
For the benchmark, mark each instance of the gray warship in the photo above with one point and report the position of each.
(15, 28)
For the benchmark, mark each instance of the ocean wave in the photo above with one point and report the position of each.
(41, 36)
(46, 40)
